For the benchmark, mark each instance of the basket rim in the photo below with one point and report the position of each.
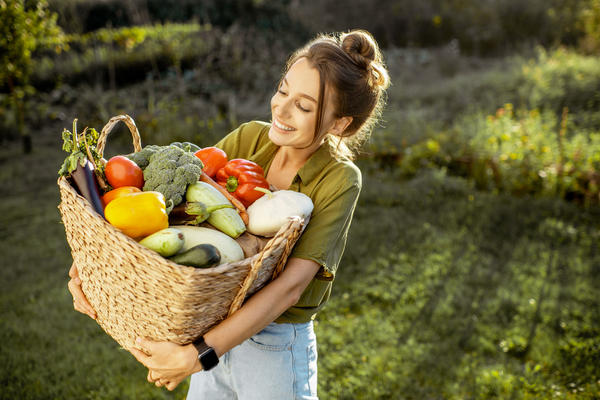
(221, 268)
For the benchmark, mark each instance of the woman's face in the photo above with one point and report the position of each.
(294, 109)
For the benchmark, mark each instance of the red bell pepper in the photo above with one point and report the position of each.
(240, 177)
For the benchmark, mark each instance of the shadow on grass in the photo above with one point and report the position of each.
(465, 284)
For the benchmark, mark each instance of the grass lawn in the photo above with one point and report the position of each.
(444, 292)
(457, 294)
(48, 350)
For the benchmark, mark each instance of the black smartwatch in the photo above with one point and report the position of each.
(206, 355)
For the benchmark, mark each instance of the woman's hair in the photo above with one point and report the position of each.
(351, 65)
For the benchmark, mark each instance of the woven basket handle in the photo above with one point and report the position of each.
(297, 231)
(290, 233)
(135, 134)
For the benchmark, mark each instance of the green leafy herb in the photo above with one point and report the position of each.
(81, 146)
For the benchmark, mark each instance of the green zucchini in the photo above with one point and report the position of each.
(227, 220)
(165, 242)
(200, 256)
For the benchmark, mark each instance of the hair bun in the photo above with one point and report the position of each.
(362, 48)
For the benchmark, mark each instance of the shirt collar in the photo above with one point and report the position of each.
(315, 164)
(311, 168)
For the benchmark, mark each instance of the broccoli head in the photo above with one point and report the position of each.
(142, 157)
(169, 171)
(187, 146)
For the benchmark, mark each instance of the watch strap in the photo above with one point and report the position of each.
(206, 355)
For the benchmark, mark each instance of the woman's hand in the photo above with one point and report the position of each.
(80, 302)
(168, 363)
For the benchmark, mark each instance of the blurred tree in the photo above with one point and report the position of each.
(24, 27)
(590, 24)
(490, 27)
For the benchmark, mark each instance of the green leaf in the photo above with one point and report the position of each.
(64, 169)
(93, 139)
(72, 163)
(67, 141)
(83, 160)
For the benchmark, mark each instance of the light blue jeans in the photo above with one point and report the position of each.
(279, 363)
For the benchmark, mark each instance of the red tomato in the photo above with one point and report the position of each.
(213, 159)
(118, 192)
(121, 171)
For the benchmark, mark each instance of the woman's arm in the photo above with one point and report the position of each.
(264, 307)
(170, 363)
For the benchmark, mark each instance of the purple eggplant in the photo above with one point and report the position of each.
(85, 179)
(193, 213)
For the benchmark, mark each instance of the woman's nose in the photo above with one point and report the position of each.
(283, 106)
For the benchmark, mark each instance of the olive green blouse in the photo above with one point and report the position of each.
(332, 185)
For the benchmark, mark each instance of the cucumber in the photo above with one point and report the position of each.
(200, 256)
(226, 220)
(165, 242)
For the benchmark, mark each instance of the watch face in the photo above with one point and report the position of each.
(208, 359)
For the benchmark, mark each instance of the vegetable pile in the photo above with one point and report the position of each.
(160, 195)
(168, 170)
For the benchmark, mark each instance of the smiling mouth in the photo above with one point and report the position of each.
(282, 126)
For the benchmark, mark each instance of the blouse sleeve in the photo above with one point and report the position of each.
(324, 239)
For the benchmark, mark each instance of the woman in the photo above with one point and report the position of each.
(326, 103)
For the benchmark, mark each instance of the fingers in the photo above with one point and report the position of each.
(171, 385)
(142, 358)
(160, 383)
(144, 343)
(73, 273)
(149, 347)
(84, 310)
(80, 302)
(168, 384)
(157, 381)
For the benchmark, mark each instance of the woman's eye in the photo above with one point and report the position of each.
(281, 92)
(302, 108)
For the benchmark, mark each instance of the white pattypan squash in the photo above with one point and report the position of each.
(271, 211)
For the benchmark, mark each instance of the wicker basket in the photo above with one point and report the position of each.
(136, 292)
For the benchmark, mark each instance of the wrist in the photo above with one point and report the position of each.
(206, 355)
(209, 339)
(191, 359)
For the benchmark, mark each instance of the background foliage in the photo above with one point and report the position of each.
(471, 269)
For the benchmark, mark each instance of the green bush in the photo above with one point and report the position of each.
(122, 57)
(125, 56)
(590, 23)
(524, 152)
(562, 78)
(546, 80)
(452, 123)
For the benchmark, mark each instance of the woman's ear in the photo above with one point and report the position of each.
(340, 125)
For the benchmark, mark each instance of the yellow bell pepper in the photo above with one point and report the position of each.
(138, 214)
